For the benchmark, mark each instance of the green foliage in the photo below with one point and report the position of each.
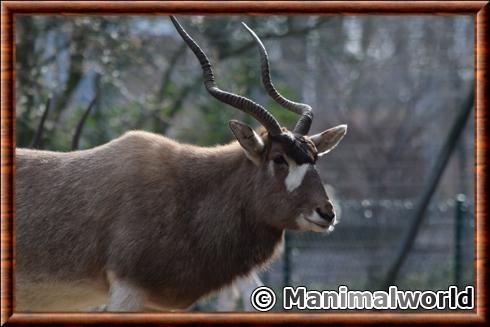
(212, 127)
(123, 57)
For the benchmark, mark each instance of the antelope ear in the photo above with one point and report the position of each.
(250, 141)
(327, 140)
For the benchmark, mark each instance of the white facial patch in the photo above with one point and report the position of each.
(295, 176)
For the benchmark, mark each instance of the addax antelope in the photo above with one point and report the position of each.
(146, 222)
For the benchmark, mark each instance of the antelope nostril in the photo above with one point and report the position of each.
(328, 216)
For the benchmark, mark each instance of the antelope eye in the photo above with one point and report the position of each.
(279, 160)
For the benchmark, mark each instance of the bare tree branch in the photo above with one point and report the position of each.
(175, 106)
(78, 131)
(168, 73)
(75, 72)
(38, 141)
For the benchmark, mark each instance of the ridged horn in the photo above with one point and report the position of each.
(246, 105)
(304, 123)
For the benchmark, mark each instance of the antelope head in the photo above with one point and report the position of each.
(289, 193)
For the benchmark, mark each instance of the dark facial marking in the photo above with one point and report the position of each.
(298, 148)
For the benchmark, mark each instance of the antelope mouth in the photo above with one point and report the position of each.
(326, 225)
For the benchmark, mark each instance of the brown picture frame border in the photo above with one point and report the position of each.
(9, 9)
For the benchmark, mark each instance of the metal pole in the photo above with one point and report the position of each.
(458, 234)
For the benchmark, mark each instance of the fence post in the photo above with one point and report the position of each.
(287, 260)
(458, 234)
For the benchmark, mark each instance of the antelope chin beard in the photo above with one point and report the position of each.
(314, 223)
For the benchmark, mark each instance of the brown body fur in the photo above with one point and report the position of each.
(172, 219)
